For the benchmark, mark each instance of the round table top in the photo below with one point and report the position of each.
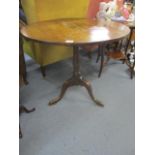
(130, 24)
(75, 31)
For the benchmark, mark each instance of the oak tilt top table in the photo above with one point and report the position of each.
(75, 33)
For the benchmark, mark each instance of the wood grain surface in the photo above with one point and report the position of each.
(75, 31)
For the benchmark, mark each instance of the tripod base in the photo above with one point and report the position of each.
(76, 81)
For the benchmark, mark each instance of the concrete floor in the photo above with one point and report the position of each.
(76, 126)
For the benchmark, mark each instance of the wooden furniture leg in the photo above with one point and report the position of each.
(20, 132)
(43, 69)
(23, 109)
(98, 55)
(22, 65)
(76, 79)
(105, 51)
(22, 77)
(89, 55)
(101, 49)
(128, 43)
(132, 71)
